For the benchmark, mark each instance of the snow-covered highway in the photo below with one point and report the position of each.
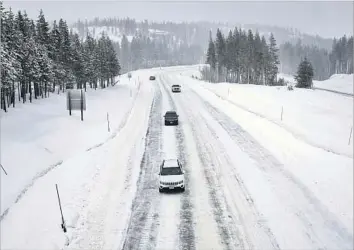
(242, 189)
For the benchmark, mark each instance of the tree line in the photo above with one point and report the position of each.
(38, 59)
(325, 63)
(191, 33)
(341, 56)
(145, 52)
(144, 45)
(242, 57)
(291, 56)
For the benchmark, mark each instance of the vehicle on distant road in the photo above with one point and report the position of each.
(176, 88)
(171, 118)
(152, 78)
(171, 175)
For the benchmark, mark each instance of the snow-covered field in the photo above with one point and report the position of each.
(322, 119)
(254, 181)
(40, 136)
(114, 33)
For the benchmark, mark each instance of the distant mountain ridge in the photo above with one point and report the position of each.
(197, 33)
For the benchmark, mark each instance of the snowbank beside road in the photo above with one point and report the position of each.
(341, 83)
(322, 119)
(36, 137)
(86, 180)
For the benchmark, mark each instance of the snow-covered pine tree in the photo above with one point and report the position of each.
(113, 62)
(211, 54)
(220, 49)
(350, 49)
(236, 54)
(91, 62)
(304, 74)
(243, 49)
(136, 53)
(66, 55)
(10, 65)
(78, 61)
(229, 52)
(55, 45)
(43, 30)
(250, 57)
(273, 61)
(209, 73)
(125, 54)
(265, 61)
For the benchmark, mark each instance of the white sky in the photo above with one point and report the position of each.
(326, 18)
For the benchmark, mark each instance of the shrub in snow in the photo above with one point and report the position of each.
(280, 82)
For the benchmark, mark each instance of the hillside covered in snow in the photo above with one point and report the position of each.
(169, 43)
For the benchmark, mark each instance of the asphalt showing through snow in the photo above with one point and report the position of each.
(141, 232)
(186, 230)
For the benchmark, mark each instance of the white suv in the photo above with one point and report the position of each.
(171, 175)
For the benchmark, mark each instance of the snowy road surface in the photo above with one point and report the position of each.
(241, 192)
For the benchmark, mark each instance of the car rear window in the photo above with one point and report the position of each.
(171, 114)
(171, 171)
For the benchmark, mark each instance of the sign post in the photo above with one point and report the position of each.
(63, 226)
(69, 104)
(76, 100)
(3, 168)
(82, 105)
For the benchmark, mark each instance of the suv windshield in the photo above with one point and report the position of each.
(171, 114)
(171, 171)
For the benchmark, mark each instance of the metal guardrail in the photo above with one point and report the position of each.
(334, 91)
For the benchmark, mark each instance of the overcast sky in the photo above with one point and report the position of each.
(327, 19)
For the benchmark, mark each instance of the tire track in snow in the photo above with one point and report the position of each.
(329, 230)
(237, 195)
(141, 232)
(186, 230)
(228, 231)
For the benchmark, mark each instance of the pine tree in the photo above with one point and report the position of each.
(42, 30)
(220, 48)
(258, 58)
(265, 61)
(91, 62)
(236, 56)
(78, 61)
(136, 53)
(304, 74)
(250, 57)
(211, 56)
(125, 54)
(229, 52)
(273, 61)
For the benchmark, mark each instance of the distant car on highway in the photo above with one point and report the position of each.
(176, 88)
(171, 118)
(152, 78)
(171, 176)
